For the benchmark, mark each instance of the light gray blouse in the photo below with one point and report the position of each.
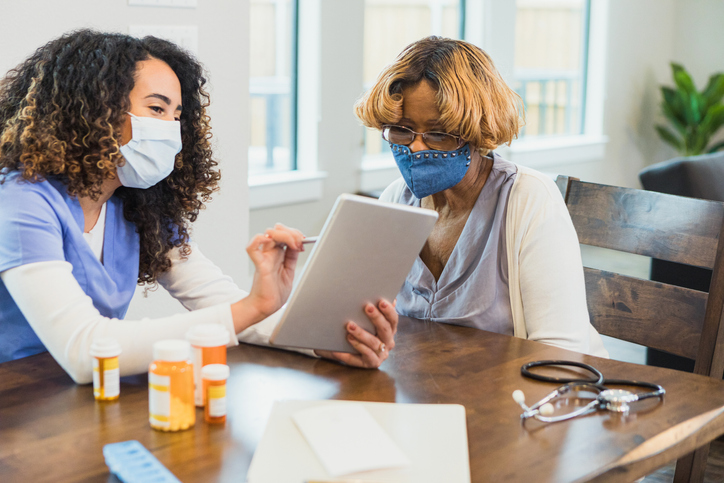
(473, 288)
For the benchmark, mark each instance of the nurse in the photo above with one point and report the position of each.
(503, 255)
(105, 162)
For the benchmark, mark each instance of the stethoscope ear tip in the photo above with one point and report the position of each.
(518, 396)
(546, 409)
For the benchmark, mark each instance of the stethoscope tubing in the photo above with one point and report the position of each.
(598, 380)
(525, 370)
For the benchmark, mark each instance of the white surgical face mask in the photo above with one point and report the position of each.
(151, 152)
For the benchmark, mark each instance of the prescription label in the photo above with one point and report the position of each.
(106, 378)
(111, 377)
(96, 379)
(217, 401)
(198, 361)
(159, 400)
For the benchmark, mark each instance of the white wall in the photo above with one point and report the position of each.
(223, 47)
(640, 47)
(700, 37)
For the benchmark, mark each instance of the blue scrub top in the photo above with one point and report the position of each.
(40, 222)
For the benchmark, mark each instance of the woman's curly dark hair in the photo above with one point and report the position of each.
(61, 115)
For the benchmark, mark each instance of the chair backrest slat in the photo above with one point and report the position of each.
(631, 309)
(682, 321)
(668, 227)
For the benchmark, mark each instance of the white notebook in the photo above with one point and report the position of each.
(431, 437)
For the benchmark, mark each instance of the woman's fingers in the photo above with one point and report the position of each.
(259, 243)
(287, 236)
(277, 238)
(290, 259)
(371, 351)
(344, 357)
(384, 318)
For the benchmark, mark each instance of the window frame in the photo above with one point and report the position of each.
(550, 152)
(552, 80)
(304, 182)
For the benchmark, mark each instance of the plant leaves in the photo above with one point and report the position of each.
(696, 116)
(691, 108)
(670, 138)
(700, 140)
(690, 140)
(683, 79)
(712, 122)
(714, 90)
(679, 124)
(673, 108)
(716, 147)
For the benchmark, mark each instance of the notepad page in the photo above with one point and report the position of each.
(346, 439)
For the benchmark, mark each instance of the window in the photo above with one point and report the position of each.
(390, 26)
(551, 44)
(272, 86)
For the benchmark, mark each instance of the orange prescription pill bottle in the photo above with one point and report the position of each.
(171, 386)
(106, 373)
(208, 346)
(214, 378)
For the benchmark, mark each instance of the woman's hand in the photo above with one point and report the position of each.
(372, 350)
(274, 255)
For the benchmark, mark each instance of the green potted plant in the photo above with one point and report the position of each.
(694, 116)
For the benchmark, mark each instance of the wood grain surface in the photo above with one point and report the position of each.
(674, 228)
(53, 430)
(648, 313)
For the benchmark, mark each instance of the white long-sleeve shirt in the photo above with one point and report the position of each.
(66, 321)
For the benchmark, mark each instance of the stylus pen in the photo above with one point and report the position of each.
(306, 241)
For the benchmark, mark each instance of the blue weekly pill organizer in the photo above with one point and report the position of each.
(131, 462)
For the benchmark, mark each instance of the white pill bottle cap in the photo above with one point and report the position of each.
(208, 335)
(105, 347)
(215, 372)
(171, 350)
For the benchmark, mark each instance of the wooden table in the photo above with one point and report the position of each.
(53, 430)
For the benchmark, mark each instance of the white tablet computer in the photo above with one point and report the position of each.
(364, 253)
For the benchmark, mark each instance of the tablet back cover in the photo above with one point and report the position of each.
(364, 253)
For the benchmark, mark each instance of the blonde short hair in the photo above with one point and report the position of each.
(474, 101)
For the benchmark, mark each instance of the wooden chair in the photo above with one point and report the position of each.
(678, 320)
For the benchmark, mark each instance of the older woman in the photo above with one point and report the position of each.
(504, 255)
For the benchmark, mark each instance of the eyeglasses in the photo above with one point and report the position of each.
(439, 141)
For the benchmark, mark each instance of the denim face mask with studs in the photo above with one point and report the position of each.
(429, 172)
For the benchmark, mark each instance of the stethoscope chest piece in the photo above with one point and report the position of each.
(617, 400)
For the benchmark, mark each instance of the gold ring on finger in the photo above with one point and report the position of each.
(382, 349)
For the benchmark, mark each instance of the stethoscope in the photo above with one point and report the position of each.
(616, 400)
